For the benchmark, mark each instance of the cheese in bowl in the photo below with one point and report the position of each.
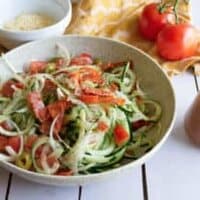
(29, 22)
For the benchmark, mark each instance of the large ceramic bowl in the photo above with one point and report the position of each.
(153, 81)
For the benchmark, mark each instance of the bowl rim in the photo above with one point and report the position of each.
(67, 17)
(133, 163)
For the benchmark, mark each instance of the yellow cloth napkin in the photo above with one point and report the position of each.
(118, 19)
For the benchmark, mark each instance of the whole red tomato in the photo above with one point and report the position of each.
(177, 41)
(152, 20)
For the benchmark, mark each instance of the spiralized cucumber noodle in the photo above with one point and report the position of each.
(80, 115)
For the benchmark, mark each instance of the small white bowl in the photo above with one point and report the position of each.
(60, 10)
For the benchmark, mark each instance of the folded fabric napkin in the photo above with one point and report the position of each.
(118, 19)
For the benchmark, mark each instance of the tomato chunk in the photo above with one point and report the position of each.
(36, 104)
(97, 91)
(31, 139)
(7, 126)
(89, 99)
(139, 124)
(45, 126)
(94, 99)
(3, 142)
(58, 107)
(49, 86)
(82, 59)
(121, 136)
(14, 142)
(102, 126)
(110, 65)
(37, 67)
(8, 88)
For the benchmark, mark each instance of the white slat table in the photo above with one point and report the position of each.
(173, 173)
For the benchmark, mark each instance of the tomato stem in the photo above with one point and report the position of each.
(175, 10)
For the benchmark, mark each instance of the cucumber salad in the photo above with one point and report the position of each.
(75, 116)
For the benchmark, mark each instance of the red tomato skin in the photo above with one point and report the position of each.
(139, 124)
(49, 86)
(45, 126)
(102, 126)
(6, 126)
(36, 104)
(121, 136)
(31, 139)
(58, 107)
(176, 42)
(7, 90)
(3, 142)
(152, 21)
(89, 99)
(82, 59)
(37, 67)
(14, 142)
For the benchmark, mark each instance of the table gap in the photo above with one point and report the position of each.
(196, 81)
(8, 186)
(144, 182)
(80, 192)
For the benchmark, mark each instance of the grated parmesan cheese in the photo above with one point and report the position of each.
(28, 22)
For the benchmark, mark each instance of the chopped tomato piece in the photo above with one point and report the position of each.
(110, 65)
(37, 67)
(44, 152)
(8, 88)
(112, 100)
(36, 104)
(49, 86)
(66, 172)
(3, 142)
(91, 74)
(31, 139)
(119, 101)
(39, 151)
(45, 127)
(102, 126)
(121, 136)
(51, 159)
(44, 114)
(58, 107)
(139, 124)
(114, 87)
(14, 142)
(6, 126)
(89, 99)
(97, 91)
(82, 59)
(94, 99)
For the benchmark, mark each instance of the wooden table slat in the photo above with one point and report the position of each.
(127, 186)
(24, 190)
(4, 176)
(173, 173)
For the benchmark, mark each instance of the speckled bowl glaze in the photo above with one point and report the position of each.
(152, 80)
